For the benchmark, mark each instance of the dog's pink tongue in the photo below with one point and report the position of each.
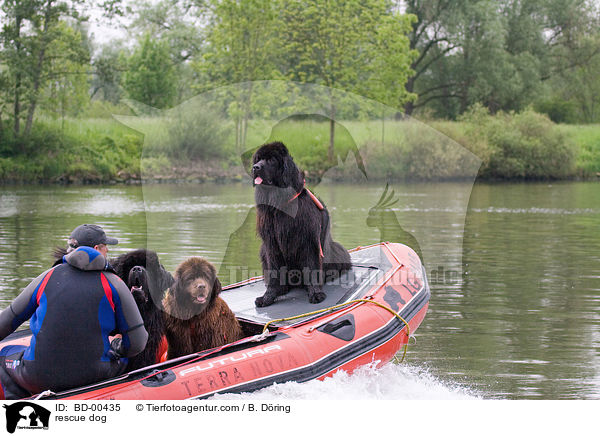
(258, 181)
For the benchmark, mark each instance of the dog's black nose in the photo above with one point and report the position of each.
(258, 165)
(137, 269)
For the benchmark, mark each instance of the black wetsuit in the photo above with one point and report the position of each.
(73, 307)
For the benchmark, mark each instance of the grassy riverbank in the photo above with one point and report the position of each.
(524, 146)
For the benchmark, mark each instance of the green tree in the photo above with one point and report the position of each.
(4, 94)
(150, 76)
(181, 24)
(574, 94)
(584, 89)
(66, 89)
(13, 53)
(241, 47)
(108, 67)
(351, 45)
(432, 37)
(40, 51)
(386, 73)
(498, 53)
(31, 27)
(470, 62)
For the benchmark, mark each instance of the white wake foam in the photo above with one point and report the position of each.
(390, 382)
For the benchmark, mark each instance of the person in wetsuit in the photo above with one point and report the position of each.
(75, 308)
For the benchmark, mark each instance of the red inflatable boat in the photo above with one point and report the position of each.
(367, 317)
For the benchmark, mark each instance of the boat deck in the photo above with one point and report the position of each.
(368, 266)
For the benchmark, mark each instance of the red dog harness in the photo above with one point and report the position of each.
(316, 201)
(312, 196)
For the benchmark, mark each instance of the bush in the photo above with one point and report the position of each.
(151, 166)
(20, 169)
(521, 146)
(385, 162)
(414, 151)
(558, 110)
(433, 156)
(195, 135)
(51, 154)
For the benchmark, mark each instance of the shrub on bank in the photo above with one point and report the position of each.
(526, 145)
(409, 150)
(53, 154)
(19, 169)
(195, 135)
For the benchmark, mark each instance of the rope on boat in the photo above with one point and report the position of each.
(332, 308)
(44, 394)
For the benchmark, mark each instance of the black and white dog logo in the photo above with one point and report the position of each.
(24, 414)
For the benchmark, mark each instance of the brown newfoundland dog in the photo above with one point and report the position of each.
(196, 318)
(297, 248)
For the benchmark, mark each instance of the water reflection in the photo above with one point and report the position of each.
(527, 319)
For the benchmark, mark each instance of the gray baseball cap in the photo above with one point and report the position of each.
(90, 235)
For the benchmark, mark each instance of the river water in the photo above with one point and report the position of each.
(514, 272)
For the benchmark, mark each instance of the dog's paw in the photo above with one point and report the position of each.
(316, 297)
(263, 301)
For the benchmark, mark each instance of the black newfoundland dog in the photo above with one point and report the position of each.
(297, 248)
(148, 280)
